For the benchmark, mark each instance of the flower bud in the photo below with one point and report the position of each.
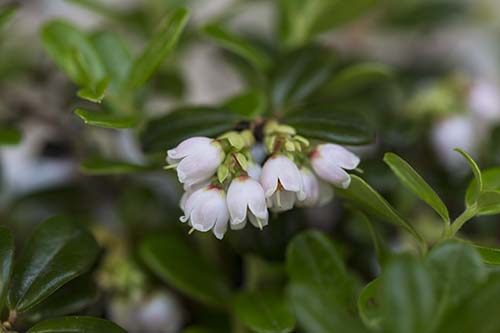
(329, 161)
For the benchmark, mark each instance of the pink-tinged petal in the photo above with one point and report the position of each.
(338, 155)
(325, 193)
(269, 177)
(334, 175)
(220, 227)
(188, 146)
(237, 202)
(311, 188)
(289, 175)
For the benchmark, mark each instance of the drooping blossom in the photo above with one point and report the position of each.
(246, 201)
(330, 161)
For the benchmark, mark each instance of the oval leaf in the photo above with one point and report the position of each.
(411, 179)
(488, 203)
(59, 251)
(180, 265)
(106, 120)
(76, 325)
(489, 255)
(265, 312)
(6, 258)
(491, 182)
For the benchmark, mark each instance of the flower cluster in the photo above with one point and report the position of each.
(224, 185)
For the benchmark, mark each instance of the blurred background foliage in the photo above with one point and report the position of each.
(93, 92)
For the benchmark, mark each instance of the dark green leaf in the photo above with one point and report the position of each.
(370, 200)
(264, 312)
(76, 325)
(99, 166)
(489, 255)
(249, 104)
(477, 173)
(59, 251)
(491, 182)
(368, 307)
(238, 45)
(6, 258)
(323, 123)
(411, 179)
(168, 131)
(10, 136)
(180, 265)
(159, 47)
(106, 120)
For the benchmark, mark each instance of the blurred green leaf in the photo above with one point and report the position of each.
(6, 258)
(328, 124)
(368, 307)
(408, 298)
(178, 264)
(58, 251)
(106, 119)
(95, 93)
(488, 203)
(489, 255)
(168, 131)
(358, 77)
(302, 20)
(71, 298)
(159, 47)
(412, 180)
(363, 195)
(76, 324)
(238, 45)
(10, 136)
(491, 182)
(6, 13)
(250, 104)
(100, 166)
(475, 169)
(264, 311)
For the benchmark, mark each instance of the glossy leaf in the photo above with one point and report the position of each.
(408, 299)
(347, 127)
(475, 170)
(6, 258)
(76, 324)
(99, 167)
(160, 46)
(264, 312)
(411, 179)
(372, 202)
(58, 251)
(10, 136)
(106, 120)
(168, 131)
(491, 182)
(489, 255)
(178, 264)
(249, 104)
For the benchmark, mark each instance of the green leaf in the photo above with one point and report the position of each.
(10, 136)
(250, 104)
(411, 179)
(6, 258)
(71, 298)
(6, 13)
(159, 47)
(95, 93)
(106, 120)
(489, 255)
(475, 169)
(358, 77)
(363, 195)
(76, 324)
(59, 251)
(369, 311)
(341, 126)
(168, 131)
(491, 182)
(238, 45)
(408, 299)
(100, 167)
(264, 312)
(488, 203)
(73, 52)
(181, 266)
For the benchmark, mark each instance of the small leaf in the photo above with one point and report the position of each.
(411, 179)
(94, 94)
(264, 312)
(488, 203)
(59, 251)
(6, 258)
(168, 131)
(489, 255)
(180, 265)
(100, 167)
(238, 45)
(368, 199)
(106, 120)
(475, 169)
(76, 325)
(491, 182)
(249, 104)
(160, 46)
(369, 311)
(10, 136)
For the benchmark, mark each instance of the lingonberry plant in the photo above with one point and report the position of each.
(274, 211)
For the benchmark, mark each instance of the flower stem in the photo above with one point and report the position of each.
(469, 213)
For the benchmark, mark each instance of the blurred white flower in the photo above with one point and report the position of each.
(206, 209)
(246, 200)
(254, 170)
(282, 183)
(329, 161)
(311, 188)
(196, 159)
(484, 101)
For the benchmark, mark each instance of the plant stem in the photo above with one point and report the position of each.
(469, 213)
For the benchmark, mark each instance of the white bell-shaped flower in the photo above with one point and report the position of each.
(196, 159)
(282, 183)
(246, 200)
(329, 161)
(311, 188)
(254, 170)
(206, 209)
